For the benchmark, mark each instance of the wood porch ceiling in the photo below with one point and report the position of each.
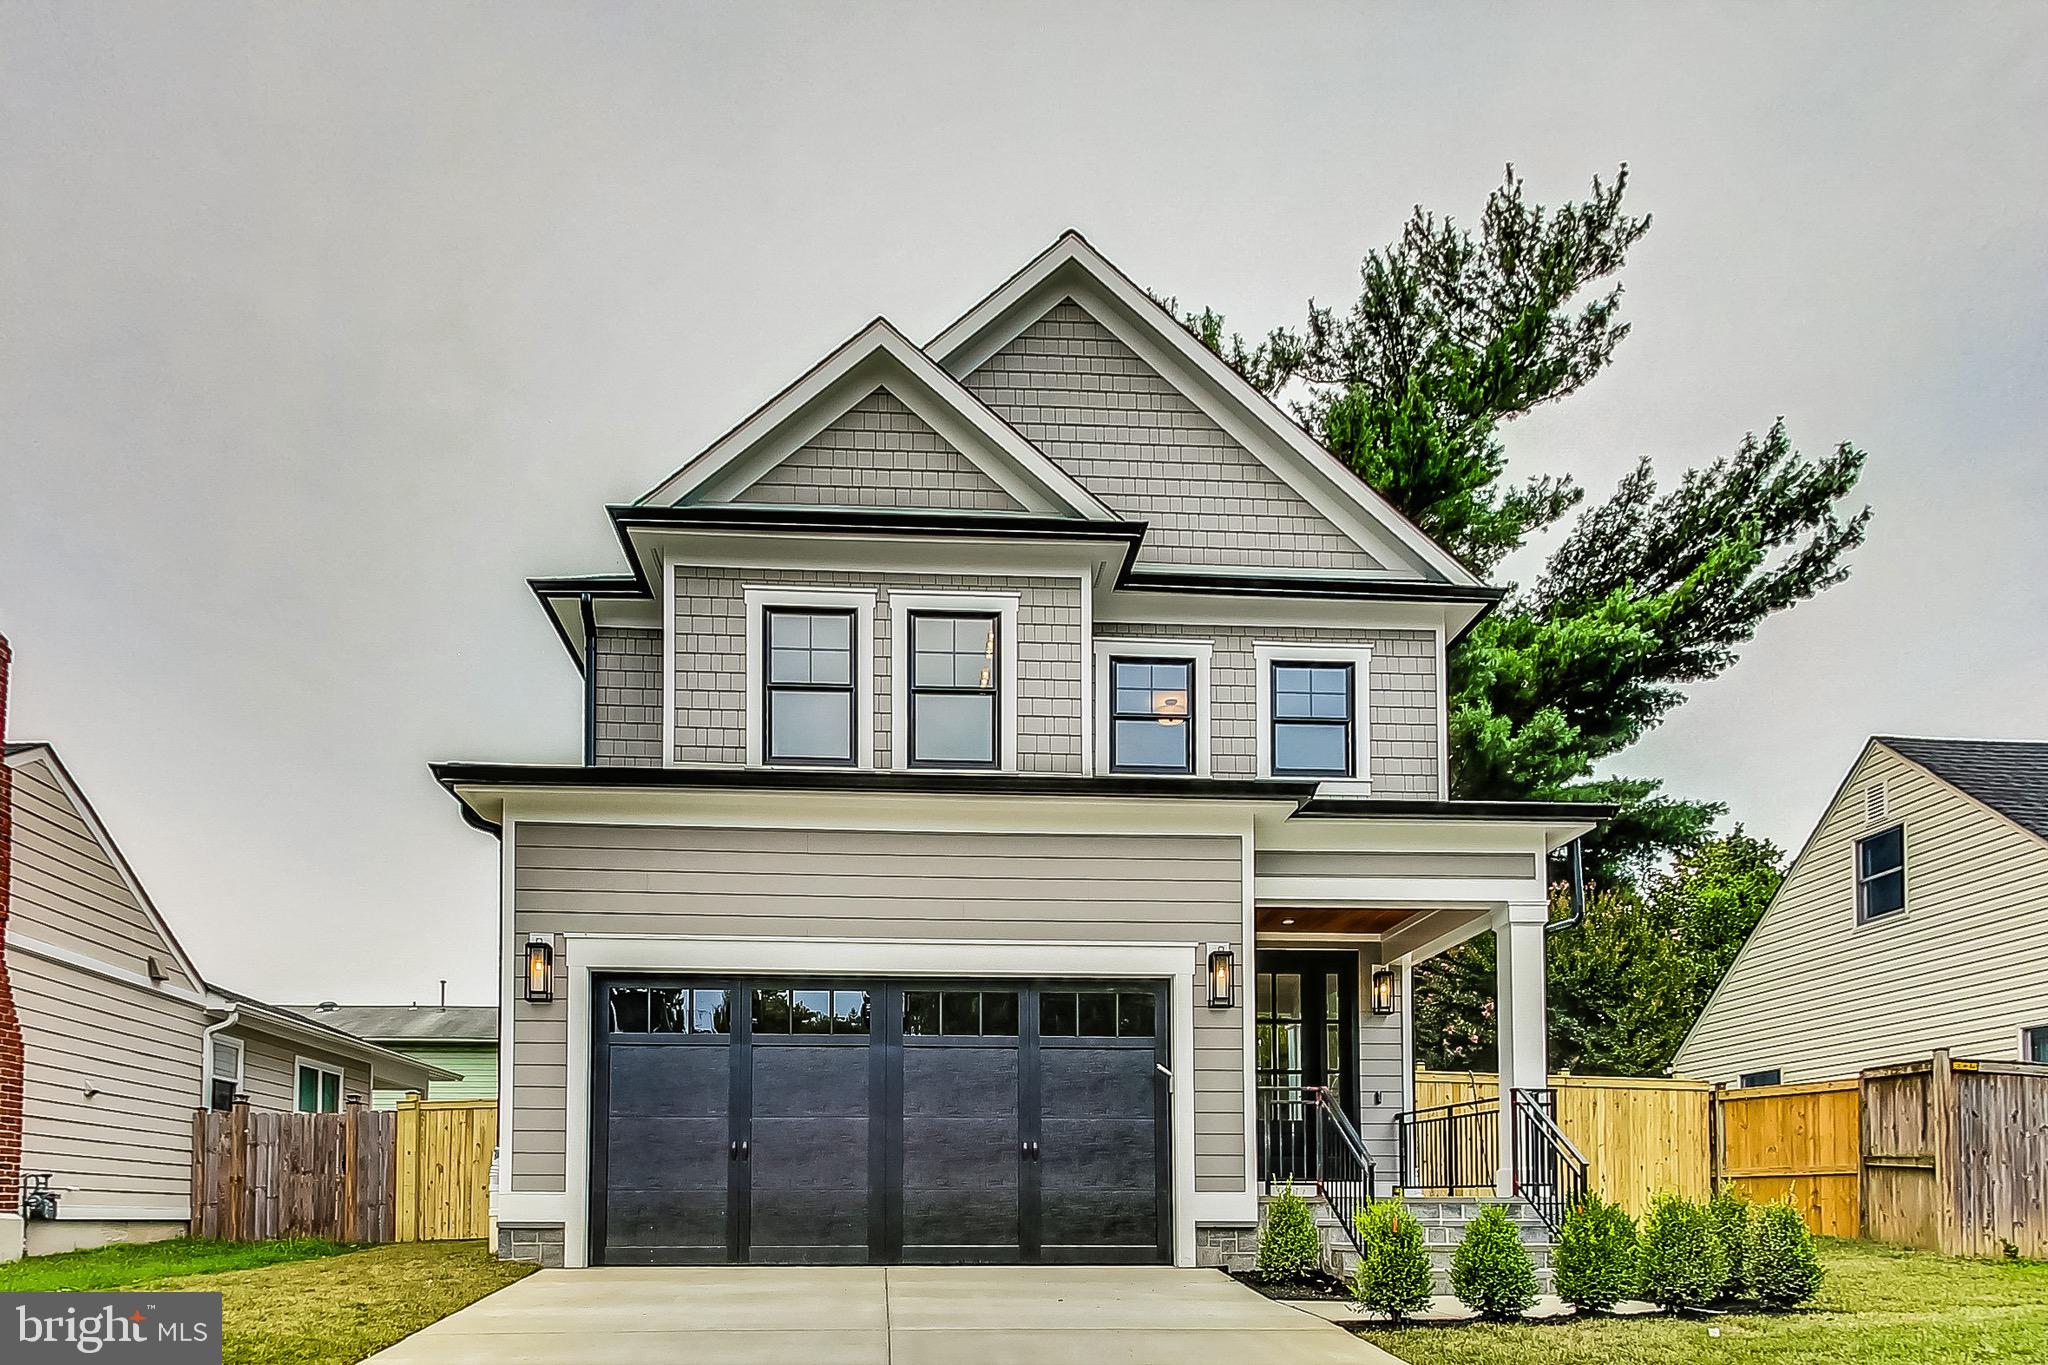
(1273, 919)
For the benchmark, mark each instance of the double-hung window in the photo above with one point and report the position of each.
(226, 1074)
(319, 1088)
(1313, 712)
(2034, 1045)
(1151, 715)
(955, 689)
(808, 713)
(1881, 874)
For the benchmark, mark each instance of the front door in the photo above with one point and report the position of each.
(1307, 1007)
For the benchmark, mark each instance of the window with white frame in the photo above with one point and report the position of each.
(224, 1074)
(2034, 1044)
(1312, 713)
(1881, 874)
(318, 1088)
(810, 687)
(954, 680)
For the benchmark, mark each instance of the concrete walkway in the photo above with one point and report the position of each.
(874, 1316)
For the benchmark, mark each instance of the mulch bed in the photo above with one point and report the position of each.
(1314, 1286)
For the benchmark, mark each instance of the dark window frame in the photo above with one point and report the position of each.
(1274, 720)
(1116, 714)
(769, 687)
(2034, 1037)
(1864, 914)
(1768, 1076)
(994, 691)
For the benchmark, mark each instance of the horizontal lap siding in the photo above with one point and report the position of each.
(128, 1146)
(1401, 697)
(1965, 967)
(629, 694)
(270, 1072)
(711, 659)
(66, 890)
(874, 885)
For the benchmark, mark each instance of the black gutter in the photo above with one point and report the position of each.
(1378, 808)
(1268, 585)
(1575, 865)
(589, 681)
(580, 585)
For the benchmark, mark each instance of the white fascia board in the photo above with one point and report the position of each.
(1072, 263)
(86, 962)
(879, 353)
(1396, 892)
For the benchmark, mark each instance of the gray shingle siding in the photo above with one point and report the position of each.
(711, 665)
(1136, 442)
(628, 698)
(1401, 691)
(880, 454)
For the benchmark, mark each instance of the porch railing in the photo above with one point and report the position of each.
(1344, 1169)
(1451, 1149)
(1550, 1174)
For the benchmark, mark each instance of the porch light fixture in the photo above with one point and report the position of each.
(540, 971)
(1222, 976)
(1383, 990)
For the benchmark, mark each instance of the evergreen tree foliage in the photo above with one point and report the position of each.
(1595, 1258)
(1290, 1248)
(1679, 1262)
(1491, 1270)
(1780, 1268)
(1394, 1275)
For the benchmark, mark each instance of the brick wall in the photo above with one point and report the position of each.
(10, 1023)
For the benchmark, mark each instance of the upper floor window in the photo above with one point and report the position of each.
(1881, 873)
(319, 1088)
(227, 1074)
(1754, 1078)
(1313, 711)
(955, 689)
(2034, 1046)
(810, 679)
(1151, 715)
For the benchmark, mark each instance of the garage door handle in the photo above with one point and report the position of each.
(739, 1150)
(1031, 1151)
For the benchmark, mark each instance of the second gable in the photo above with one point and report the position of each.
(880, 454)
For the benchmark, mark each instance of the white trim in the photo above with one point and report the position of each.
(1005, 606)
(594, 953)
(1443, 717)
(85, 962)
(1088, 762)
(1247, 1201)
(878, 352)
(1199, 651)
(1316, 475)
(300, 1064)
(1265, 654)
(176, 1212)
(668, 663)
(508, 992)
(241, 1047)
(760, 598)
(83, 809)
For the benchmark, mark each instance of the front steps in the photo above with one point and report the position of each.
(1443, 1227)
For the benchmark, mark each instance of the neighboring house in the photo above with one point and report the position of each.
(123, 1038)
(1915, 918)
(1014, 788)
(458, 1038)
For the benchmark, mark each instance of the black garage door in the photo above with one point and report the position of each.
(879, 1121)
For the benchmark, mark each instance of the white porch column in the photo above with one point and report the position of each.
(1520, 1023)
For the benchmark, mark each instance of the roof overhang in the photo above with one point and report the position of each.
(258, 1017)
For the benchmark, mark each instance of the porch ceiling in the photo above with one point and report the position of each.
(1273, 919)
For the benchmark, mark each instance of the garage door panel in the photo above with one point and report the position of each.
(1091, 1154)
(667, 1153)
(935, 1220)
(662, 1226)
(1088, 1081)
(675, 1080)
(795, 1081)
(1102, 1218)
(810, 1154)
(959, 1082)
(948, 1153)
(812, 1225)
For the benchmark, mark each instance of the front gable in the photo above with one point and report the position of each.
(879, 453)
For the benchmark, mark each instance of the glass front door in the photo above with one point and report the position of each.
(1307, 1005)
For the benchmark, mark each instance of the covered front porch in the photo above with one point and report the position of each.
(1345, 909)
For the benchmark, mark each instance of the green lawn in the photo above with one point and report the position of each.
(1879, 1307)
(117, 1267)
(341, 1309)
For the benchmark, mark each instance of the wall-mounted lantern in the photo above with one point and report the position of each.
(1222, 976)
(1383, 990)
(540, 971)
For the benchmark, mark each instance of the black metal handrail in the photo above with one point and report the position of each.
(1288, 1135)
(1550, 1174)
(1451, 1148)
(1345, 1176)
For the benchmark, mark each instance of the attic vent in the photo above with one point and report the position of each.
(1873, 803)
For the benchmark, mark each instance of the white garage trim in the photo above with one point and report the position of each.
(589, 954)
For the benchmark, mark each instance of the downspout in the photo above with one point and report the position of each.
(1575, 861)
(206, 1052)
(589, 683)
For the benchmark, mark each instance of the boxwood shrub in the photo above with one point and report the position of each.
(1779, 1266)
(1595, 1257)
(1491, 1270)
(1679, 1261)
(1728, 1213)
(1290, 1248)
(1394, 1275)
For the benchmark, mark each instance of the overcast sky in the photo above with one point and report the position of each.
(321, 327)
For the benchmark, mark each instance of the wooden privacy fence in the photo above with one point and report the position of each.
(1639, 1137)
(444, 1168)
(1795, 1142)
(418, 1173)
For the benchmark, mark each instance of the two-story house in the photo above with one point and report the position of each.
(1014, 797)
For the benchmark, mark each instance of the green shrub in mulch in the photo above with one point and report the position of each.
(1595, 1258)
(1728, 1214)
(1289, 1246)
(1491, 1270)
(1679, 1262)
(1780, 1268)
(1394, 1275)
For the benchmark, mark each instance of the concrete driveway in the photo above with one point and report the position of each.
(876, 1316)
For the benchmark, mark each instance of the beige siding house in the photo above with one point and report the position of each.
(122, 1037)
(1013, 797)
(1915, 918)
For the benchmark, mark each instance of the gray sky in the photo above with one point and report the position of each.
(322, 327)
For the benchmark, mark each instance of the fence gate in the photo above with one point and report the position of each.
(1798, 1143)
(444, 1169)
(259, 1175)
